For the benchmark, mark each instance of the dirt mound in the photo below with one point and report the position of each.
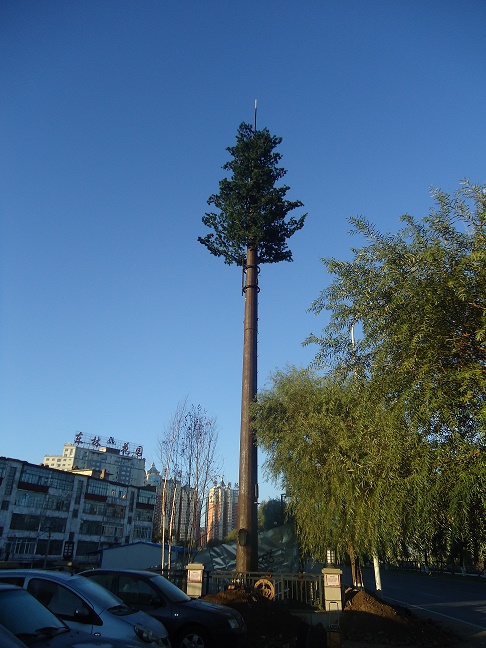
(270, 623)
(366, 620)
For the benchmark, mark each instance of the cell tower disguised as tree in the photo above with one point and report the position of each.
(250, 227)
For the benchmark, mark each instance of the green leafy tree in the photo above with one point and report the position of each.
(419, 297)
(271, 514)
(251, 226)
(342, 462)
(418, 300)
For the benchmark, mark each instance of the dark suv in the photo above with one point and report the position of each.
(190, 622)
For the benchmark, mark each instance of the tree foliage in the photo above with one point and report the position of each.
(337, 458)
(252, 210)
(271, 514)
(385, 450)
(419, 297)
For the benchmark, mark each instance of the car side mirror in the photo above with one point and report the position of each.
(82, 615)
(156, 601)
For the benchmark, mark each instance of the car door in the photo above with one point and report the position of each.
(138, 592)
(65, 604)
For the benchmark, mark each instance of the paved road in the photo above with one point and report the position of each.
(457, 601)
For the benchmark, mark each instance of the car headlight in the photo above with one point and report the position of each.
(148, 636)
(234, 625)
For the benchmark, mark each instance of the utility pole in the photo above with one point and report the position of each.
(250, 227)
(247, 545)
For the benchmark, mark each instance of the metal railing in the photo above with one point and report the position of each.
(295, 589)
(299, 590)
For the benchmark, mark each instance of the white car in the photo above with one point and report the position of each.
(86, 606)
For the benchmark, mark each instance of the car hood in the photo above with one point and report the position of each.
(101, 644)
(214, 608)
(143, 619)
(76, 639)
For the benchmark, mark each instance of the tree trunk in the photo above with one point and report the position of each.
(356, 573)
(376, 566)
(247, 545)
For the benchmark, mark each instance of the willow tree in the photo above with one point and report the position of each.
(418, 299)
(250, 227)
(346, 463)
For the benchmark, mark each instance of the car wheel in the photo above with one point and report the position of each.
(192, 637)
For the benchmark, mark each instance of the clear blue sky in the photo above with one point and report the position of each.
(114, 120)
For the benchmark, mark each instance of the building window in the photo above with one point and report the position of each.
(91, 527)
(147, 497)
(142, 533)
(35, 475)
(97, 487)
(86, 547)
(24, 546)
(54, 524)
(9, 480)
(144, 515)
(79, 490)
(25, 522)
(93, 508)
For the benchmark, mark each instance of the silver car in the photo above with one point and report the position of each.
(26, 622)
(87, 606)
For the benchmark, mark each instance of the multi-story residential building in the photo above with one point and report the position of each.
(222, 511)
(121, 461)
(177, 518)
(50, 515)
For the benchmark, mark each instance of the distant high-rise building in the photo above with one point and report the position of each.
(175, 516)
(222, 511)
(118, 461)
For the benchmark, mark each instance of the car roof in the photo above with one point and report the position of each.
(62, 576)
(8, 586)
(98, 570)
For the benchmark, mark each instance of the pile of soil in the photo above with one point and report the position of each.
(366, 622)
(269, 623)
(366, 618)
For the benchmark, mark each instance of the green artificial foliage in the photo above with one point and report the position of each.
(252, 211)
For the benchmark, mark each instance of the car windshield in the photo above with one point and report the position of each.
(98, 595)
(25, 617)
(171, 591)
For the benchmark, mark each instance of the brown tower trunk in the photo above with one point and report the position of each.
(247, 545)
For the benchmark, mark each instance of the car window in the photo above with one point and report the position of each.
(168, 589)
(93, 592)
(135, 591)
(105, 580)
(13, 580)
(57, 598)
(22, 614)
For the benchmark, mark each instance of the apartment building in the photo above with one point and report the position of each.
(176, 518)
(121, 461)
(48, 515)
(222, 511)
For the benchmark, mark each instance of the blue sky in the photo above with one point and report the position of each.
(114, 120)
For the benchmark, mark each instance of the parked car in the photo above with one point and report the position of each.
(26, 622)
(191, 622)
(86, 606)
(9, 640)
